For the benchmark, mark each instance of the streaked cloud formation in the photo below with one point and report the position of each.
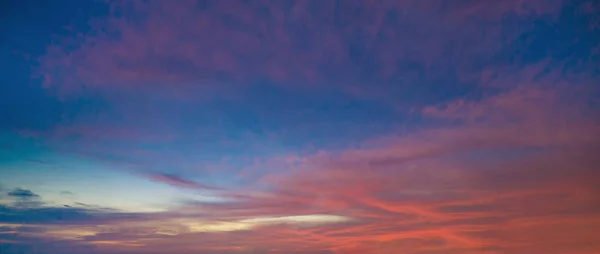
(321, 127)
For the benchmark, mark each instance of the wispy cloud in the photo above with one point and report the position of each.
(179, 182)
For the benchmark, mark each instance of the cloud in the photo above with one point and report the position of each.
(24, 198)
(198, 47)
(445, 204)
(179, 182)
(31, 209)
(59, 215)
(16, 243)
(22, 194)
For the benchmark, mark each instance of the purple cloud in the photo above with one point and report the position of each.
(179, 182)
(193, 48)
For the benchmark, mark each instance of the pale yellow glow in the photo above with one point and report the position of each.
(247, 224)
(300, 219)
(55, 231)
(70, 233)
(118, 243)
(173, 227)
(217, 226)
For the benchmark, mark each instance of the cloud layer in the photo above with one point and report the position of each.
(198, 47)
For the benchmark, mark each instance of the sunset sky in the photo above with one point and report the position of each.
(300, 127)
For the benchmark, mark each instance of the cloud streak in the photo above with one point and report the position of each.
(180, 182)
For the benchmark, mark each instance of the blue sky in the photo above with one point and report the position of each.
(318, 126)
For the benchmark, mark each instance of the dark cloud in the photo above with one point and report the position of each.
(25, 198)
(177, 181)
(68, 194)
(22, 194)
(23, 229)
(19, 244)
(60, 215)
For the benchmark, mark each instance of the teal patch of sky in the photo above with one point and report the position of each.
(48, 173)
(15, 148)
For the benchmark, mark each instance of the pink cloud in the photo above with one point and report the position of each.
(180, 47)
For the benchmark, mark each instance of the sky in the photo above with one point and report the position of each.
(299, 127)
